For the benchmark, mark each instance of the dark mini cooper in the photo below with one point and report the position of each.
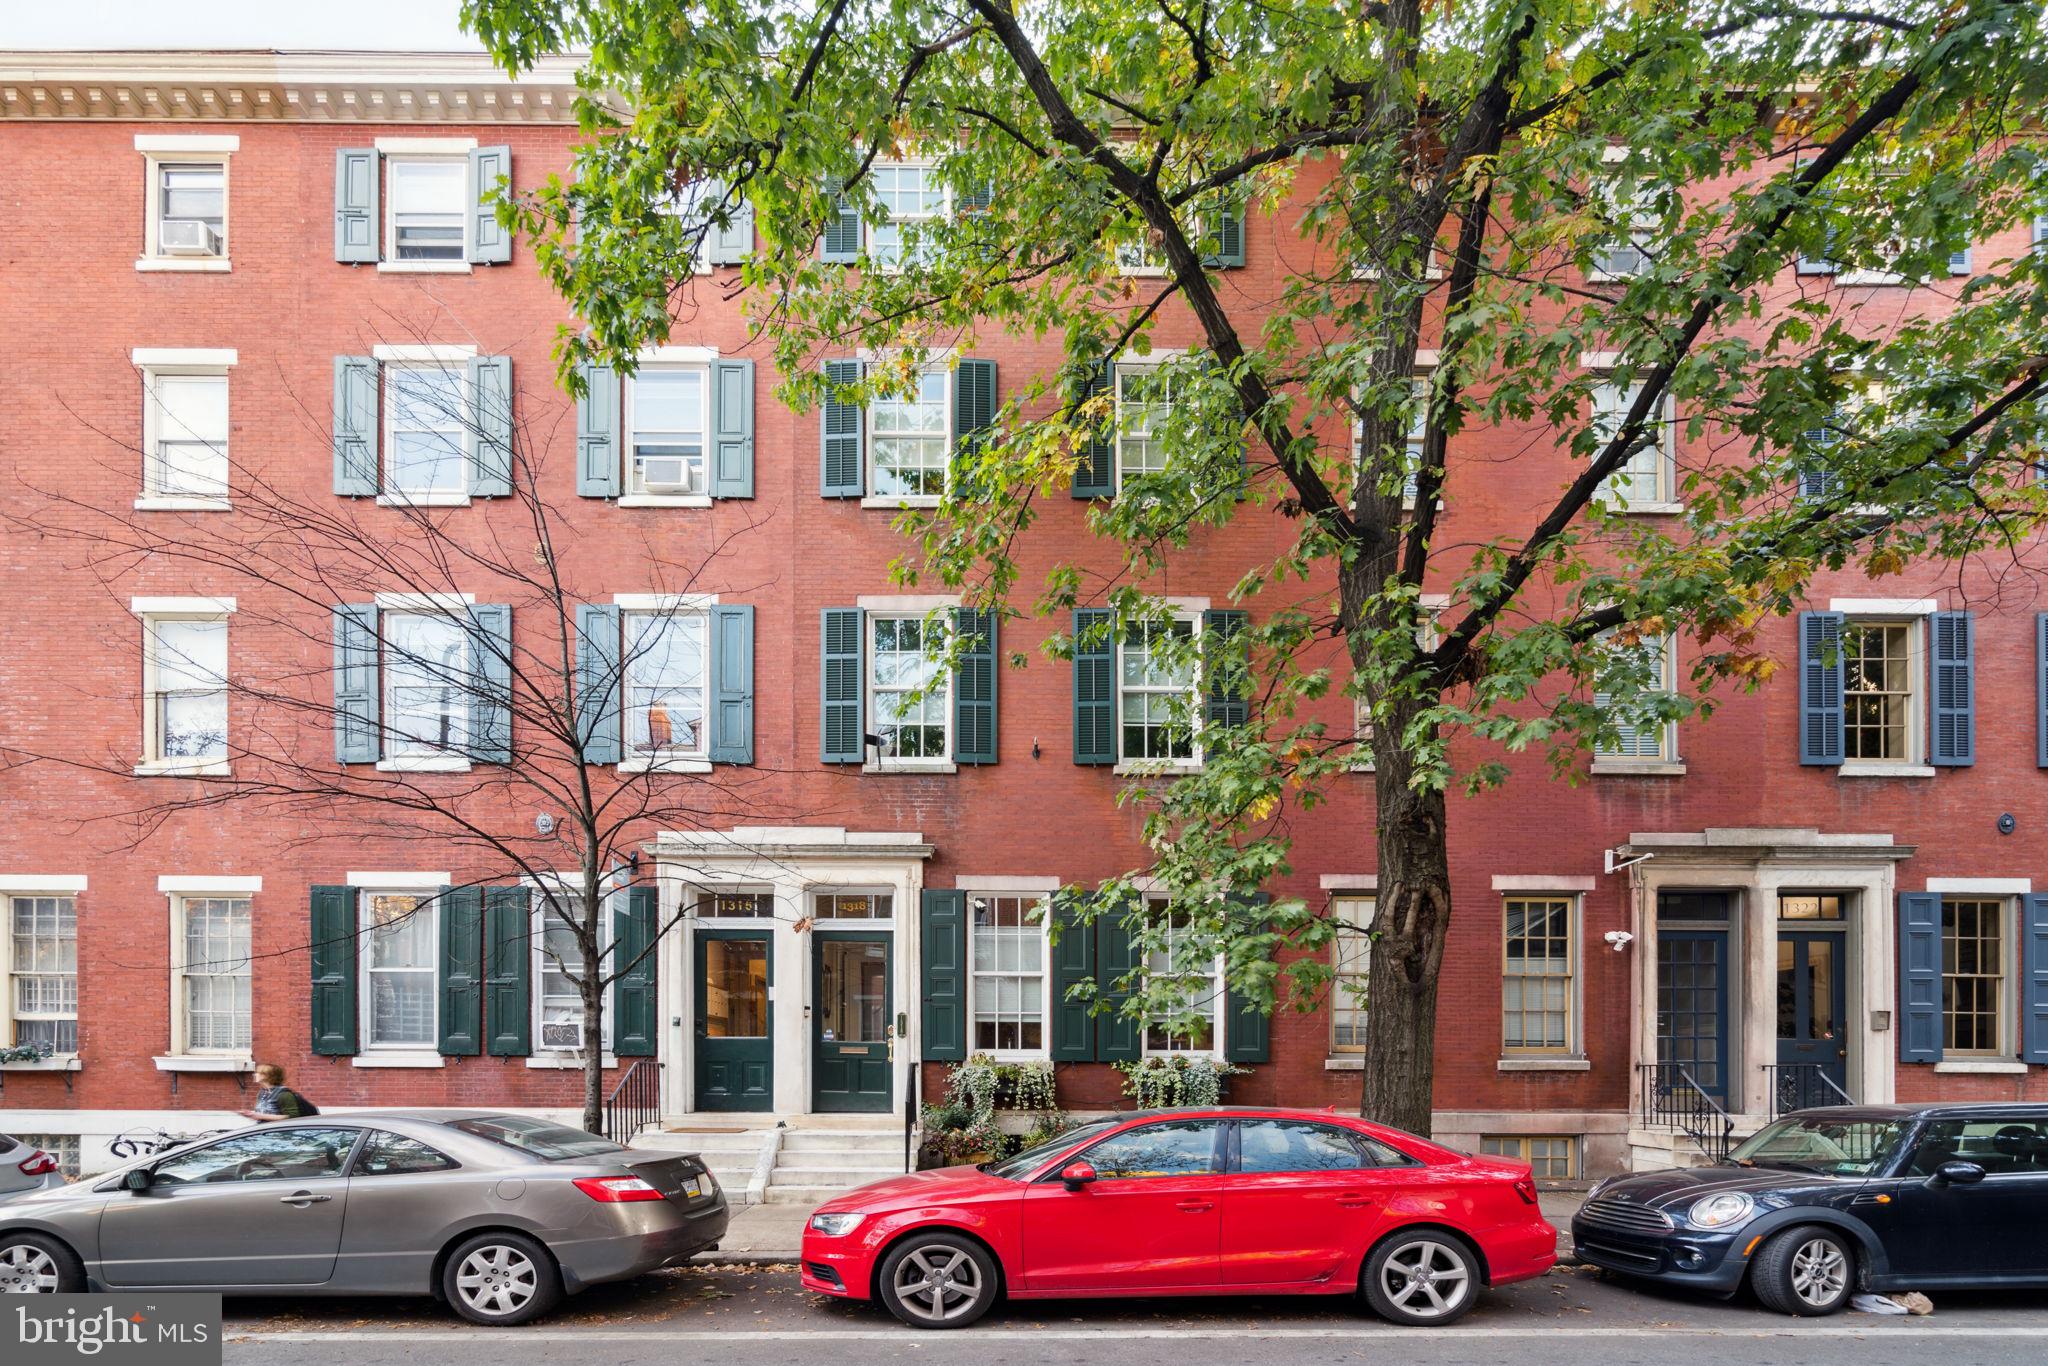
(1824, 1203)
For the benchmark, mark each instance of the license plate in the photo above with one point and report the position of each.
(691, 1190)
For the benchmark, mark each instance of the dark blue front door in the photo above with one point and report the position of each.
(1812, 1010)
(1692, 1005)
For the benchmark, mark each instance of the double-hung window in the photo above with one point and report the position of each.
(42, 972)
(1638, 733)
(185, 685)
(1537, 990)
(1975, 962)
(427, 685)
(425, 217)
(910, 197)
(184, 427)
(667, 675)
(398, 938)
(426, 427)
(1646, 478)
(910, 692)
(559, 1022)
(1144, 407)
(910, 436)
(185, 217)
(1158, 705)
(1633, 223)
(667, 412)
(1008, 987)
(213, 975)
(1350, 968)
(1415, 433)
(1881, 667)
(1195, 985)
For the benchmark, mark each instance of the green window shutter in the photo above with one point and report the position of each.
(1118, 1037)
(597, 681)
(490, 242)
(508, 971)
(633, 954)
(974, 412)
(357, 734)
(597, 432)
(732, 429)
(1247, 1028)
(1227, 237)
(841, 244)
(1225, 705)
(1953, 698)
(462, 972)
(357, 223)
(1073, 962)
(729, 243)
(732, 685)
(355, 426)
(842, 457)
(490, 691)
(1820, 688)
(943, 952)
(1095, 475)
(840, 687)
(333, 938)
(1094, 689)
(1919, 977)
(489, 437)
(974, 688)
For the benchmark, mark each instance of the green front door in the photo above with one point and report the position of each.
(735, 1050)
(850, 1021)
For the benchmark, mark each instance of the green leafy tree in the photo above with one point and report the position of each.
(1456, 177)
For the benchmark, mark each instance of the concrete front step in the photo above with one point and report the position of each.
(843, 1177)
(803, 1195)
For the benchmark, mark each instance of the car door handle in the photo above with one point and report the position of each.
(1196, 1206)
(1353, 1200)
(303, 1199)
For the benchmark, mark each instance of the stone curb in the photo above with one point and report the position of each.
(743, 1259)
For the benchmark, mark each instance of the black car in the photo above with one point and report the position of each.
(1826, 1202)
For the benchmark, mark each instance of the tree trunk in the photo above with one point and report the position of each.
(1409, 924)
(591, 987)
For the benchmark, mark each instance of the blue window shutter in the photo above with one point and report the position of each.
(508, 971)
(732, 429)
(490, 696)
(357, 224)
(597, 681)
(1094, 689)
(843, 727)
(1954, 728)
(731, 242)
(355, 426)
(1919, 977)
(841, 243)
(2034, 978)
(2041, 689)
(974, 412)
(842, 462)
(597, 432)
(1247, 1027)
(732, 685)
(462, 972)
(633, 959)
(942, 950)
(357, 734)
(1118, 1037)
(490, 427)
(1820, 688)
(1095, 475)
(490, 242)
(1226, 701)
(333, 952)
(974, 688)
(1073, 962)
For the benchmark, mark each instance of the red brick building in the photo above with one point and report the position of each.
(213, 248)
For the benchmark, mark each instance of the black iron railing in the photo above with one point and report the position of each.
(1800, 1086)
(635, 1102)
(1670, 1095)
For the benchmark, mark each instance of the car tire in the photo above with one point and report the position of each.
(1421, 1278)
(36, 1264)
(938, 1280)
(500, 1279)
(1809, 1271)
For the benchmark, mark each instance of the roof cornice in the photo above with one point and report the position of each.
(283, 87)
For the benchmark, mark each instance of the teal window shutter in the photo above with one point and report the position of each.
(597, 432)
(1073, 962)
(1094, 688)
(1953, 699)
(357, 224)
(943, 953)
(842, 457)
(1919, 977)
(357, 733)
(2041, 689)
(490, 242)
(1820, 688)
(355, 426)
(2034, 978)
(633, 955)
(732, 429)
(333, 943)
(1118, 1037)
(1095, 475)
(508, 971)
(841, 244)
(974, 412)
(490, 690)
(1225, 705)
(841, 687)
(489, 435)
(462, 972)
(732, 685)
(974, 687)
(1247, 1027)
(729, 243)
(597, 681)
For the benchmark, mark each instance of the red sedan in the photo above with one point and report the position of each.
(1190, 1202)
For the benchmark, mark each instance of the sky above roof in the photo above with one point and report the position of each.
(382, 25)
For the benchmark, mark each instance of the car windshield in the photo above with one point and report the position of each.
(1822, 1144)
(537, 1138)
(1024, 1163)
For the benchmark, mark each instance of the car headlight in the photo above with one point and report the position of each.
(1602, 1184)
(836, 1225)
(1721, 1211)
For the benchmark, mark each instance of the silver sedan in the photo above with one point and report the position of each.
(25, 1167)
(500, 1215)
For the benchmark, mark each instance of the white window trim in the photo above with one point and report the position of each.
(177, 891)
(432, 888)
(149, 611)
(697, 605)
(1603, 364)
(1350, 892)
(159, 150)
(1982, 886)
(1021, 889)
(869, 223)
(867, 419)
(1667, 762)
(813, 891)
(869, 616)
(541, 1057)
(155, 362)
(31, 884)
(1613, 155)
(2011, 1012)
(1573, 889)
(1216, 1025)
(1130, 362)
(449, 603)
(677, 359)
(417, 149)
(1183, 610)
(448, 360)
(1915, 763)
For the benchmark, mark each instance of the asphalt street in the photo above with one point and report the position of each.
(740, 1314)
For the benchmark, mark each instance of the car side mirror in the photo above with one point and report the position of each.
(137, 1180)
(1958, 1174)
(1077, 1175)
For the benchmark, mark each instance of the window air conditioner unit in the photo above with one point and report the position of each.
(669, 474)
(189, 237)
(563, 1034)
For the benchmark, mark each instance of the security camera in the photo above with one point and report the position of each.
(1619, 939)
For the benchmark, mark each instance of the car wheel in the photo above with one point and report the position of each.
(1423, 1278)
(500, 1279)
(1807, 1271)
(31, 1264)
(938, 1280)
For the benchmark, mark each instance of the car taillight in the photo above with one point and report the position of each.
(616, 1190)
(1526, 1188)
(39, 1163)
